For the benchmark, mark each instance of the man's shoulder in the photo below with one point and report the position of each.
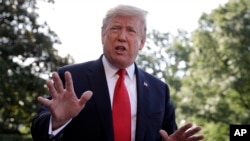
(77, 65)
(150, 76)
(82, 65)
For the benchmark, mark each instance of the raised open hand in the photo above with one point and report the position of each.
(185, 133)
(64, 104)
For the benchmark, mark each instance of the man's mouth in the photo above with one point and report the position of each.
(120, 48)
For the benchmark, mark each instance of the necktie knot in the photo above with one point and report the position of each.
(121, 72)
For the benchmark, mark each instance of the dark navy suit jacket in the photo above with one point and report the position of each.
(155, 110)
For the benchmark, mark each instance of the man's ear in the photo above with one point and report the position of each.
(102, 37)
(142, 44)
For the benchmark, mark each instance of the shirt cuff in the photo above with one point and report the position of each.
(55, 132)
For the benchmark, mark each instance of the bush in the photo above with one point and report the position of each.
(15, 137)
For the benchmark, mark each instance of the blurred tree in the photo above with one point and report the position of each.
(208, 73)
(26, 57)
(166, 56)
(217, 90)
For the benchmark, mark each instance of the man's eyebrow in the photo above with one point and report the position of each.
(115, 25)
(119, 25)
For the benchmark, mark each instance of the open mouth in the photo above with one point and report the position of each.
(120, 48)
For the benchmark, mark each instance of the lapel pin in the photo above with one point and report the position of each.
(145, 84)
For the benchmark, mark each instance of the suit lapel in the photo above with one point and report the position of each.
(142, 105)
(101, 97)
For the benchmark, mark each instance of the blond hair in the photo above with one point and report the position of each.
(126, 10)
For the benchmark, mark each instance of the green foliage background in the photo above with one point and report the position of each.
(27, 57)
(207, 69)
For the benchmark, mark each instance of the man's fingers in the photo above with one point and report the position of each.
(164, 135)
(85, 97)
(185, 128)
(52, 89)
(58, 82)
(68, 81)
(193, 131)
(197, 138)
(44, 101)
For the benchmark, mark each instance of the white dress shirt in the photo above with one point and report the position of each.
(112, 77)
(130, 82)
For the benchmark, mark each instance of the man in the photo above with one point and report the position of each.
(83, 102)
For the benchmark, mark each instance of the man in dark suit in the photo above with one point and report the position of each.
(81, 103)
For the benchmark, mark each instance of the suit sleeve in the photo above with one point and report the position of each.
(40, 125)
(169, 123)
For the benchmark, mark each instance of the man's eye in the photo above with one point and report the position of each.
(114, 28)
(132, 30)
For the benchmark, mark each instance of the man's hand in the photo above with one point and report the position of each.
(185, 133)
(64, 104)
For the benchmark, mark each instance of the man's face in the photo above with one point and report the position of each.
(122, 40)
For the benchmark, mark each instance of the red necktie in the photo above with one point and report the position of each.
(121, 110)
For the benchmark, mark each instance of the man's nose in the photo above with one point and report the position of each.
(122, 36)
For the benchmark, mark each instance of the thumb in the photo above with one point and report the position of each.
(164, 135)
(85, 97)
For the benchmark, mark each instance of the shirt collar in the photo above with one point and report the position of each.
(110, 70)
